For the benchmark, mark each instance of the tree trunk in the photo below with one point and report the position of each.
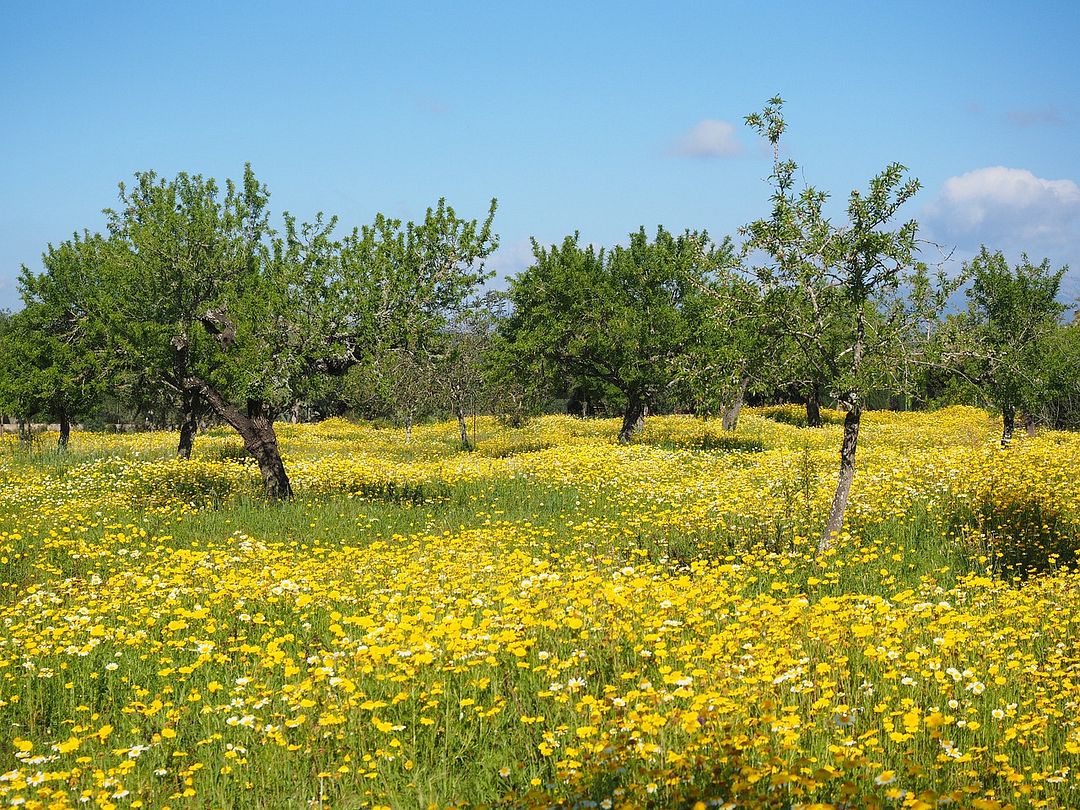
(847, 475)
(813, 406)
(633, 419)
(189, 424)
(1008, 424)
(65, 429)
(730, 419)
(1029, 424)
(265, 449)
(463, 428)
(408, 428)
(25, 434)
(256, 428)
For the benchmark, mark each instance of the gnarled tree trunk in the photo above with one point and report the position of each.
(256, 428)
(26, 436)
(65, 429)
(847, 475)
(189, 424)
(813, 406)
(633, 418)
(1029, 424)
(1008, 424)
(463, 428)
(730, 419)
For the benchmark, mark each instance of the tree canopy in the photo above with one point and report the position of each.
(619, 317)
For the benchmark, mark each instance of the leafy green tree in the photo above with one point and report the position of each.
(519, 381)
(199, 307)
(401, 285)
(1011, 322)
(19, 374)
(836, 291)
(1061, 407)
(208, 301)
(55, 356)
(617, 317)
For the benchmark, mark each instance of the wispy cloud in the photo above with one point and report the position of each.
(1048, 116)
(709, 138)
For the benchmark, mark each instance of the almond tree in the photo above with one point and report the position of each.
(199, 295)
(1011, 318)
(838, 291)
(616, 317)
(55, 357)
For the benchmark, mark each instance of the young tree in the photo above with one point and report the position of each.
(836, 290)
(616, 317)
(1011, 320)
(733, 349)
(460, 378)
(396, 384)
(403, 288)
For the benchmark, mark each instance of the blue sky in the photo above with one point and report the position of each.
(593, 117)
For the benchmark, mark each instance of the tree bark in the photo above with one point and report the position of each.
(633, 418)
(1029, 424)
(189, 424)
(408, 428)
(813, 406)
(730, 419)
(65, 429)
(463, 428)
(1008, 424)
(25, 434)
(847, 474)
(256, 428)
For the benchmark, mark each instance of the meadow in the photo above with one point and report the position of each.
(553, 619)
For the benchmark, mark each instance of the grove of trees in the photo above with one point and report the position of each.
(198, 304)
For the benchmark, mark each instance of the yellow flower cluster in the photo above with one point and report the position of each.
(551, 620)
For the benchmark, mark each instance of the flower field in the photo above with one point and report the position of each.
(551, 620)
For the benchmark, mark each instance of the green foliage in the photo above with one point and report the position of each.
(622, 318)
(1009, 330)
(834, 293)
(1061, 358)
(54, 357)
(188, 290)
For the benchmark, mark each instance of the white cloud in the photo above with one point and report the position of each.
(1011, 210)
(998, 205)
(709, 138)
